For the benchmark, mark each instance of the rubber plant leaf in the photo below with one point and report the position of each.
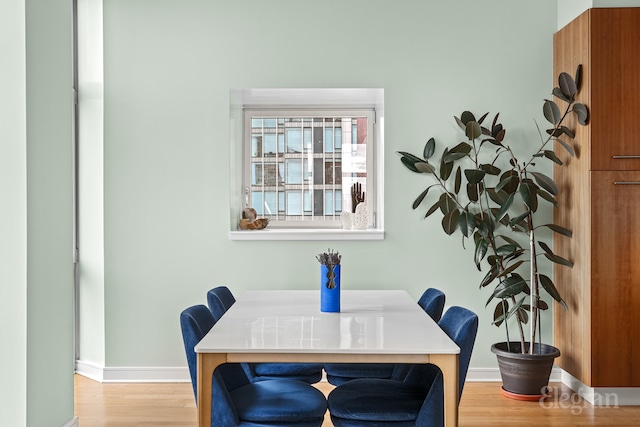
(482, 245)
(474, 176)
(450, 221)
(505, 207)
(458, 180)
(528, 194)
(421, 197)
(558, 229)
(581, 113)
(546, 183)
(551, 112)
(429, 148)
(424, 167)
(567, 147)
(473, 130)
(410, 163)
(551, 155)
(509, 287)
(551, 289)
(567, 85)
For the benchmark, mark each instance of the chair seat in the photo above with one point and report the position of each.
(279, 402)
(376, 400)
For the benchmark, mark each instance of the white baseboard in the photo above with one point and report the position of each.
(72, 423)
(491, 375)
(603, 396)
(132, 374)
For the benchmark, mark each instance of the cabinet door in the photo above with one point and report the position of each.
(615, 88)
(615, 274)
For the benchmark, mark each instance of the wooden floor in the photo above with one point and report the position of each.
(172, 404)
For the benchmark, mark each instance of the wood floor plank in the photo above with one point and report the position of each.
(482, 405)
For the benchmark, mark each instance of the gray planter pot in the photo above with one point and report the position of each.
(525, 374)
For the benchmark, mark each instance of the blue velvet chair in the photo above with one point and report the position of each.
(432, 302)
(219, 300)
(236, 401)
(418, 400)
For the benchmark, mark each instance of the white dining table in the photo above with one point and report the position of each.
(287, 326)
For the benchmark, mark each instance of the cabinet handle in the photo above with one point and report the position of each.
(626, 157)
(626, 182)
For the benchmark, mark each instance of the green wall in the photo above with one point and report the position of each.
(168, 68)
(36, 307)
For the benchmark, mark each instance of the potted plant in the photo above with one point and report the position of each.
(489, 194)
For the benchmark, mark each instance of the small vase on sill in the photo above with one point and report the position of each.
(361, 217)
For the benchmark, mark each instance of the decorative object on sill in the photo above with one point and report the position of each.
(499, 210)
(361, 217)
(357, 196)
(250, 222)
(329, 281)
(347, 220)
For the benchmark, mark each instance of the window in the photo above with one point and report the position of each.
(300, 164)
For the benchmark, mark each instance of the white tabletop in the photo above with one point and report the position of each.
(290, 321)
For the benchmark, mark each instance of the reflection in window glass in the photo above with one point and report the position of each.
(294, 203)
(294, 171)
(297, 169)
(294, 140)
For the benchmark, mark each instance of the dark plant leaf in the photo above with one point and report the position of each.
(508, 182)
(490, 276)
(458, 152)
(509, 240)
(412, 157)
(505, 207)
(542, 305)
(578, 77)
(481, 119)
(545, 247)
(472, 192)
(551, 289)
(498, 197)
(474, 176)
(490, 169)
(445, 167)
(557, 92)
(567, 131)
(424, 167)
(546, 183)
(410, 164)
(548, 197)
(458, 180)
(450, 221)
(551, 112)
(429, 148)
(558, 229)
(582, 114)
(559, 260)
(466, 117)
(567, 85)
(447, 203)
(499, 312)
(567, 147)
(506, 250)
(523, 315)
(473, 130)
(510, 287)
(466, 223)
(434, 208)
(529, 196)
(482, 245)
(519, 218)
(421, 197)
(551, 155)
(511, 268)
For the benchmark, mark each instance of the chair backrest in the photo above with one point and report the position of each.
(195, 322)
(219, 299)
(461, 325)
(432, 302)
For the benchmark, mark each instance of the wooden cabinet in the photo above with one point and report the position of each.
(599, 336)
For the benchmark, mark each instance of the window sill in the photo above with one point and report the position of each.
(304, 234)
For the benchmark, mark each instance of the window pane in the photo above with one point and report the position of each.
(338, 194)
(307, 202)
(256, 123)
(307, 139)
(281, 143)
(256, 173)
(270, 203)
(328, 202)
(294, 203)
(337, 141)
(294, 140)
(270, 144)
(328, 140)
(256, 146)
(269, 123)
(256, 202)
(294, 171)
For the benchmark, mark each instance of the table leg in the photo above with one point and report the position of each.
(207, 363)
(449, 365)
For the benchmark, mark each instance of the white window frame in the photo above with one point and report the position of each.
(316, 103)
